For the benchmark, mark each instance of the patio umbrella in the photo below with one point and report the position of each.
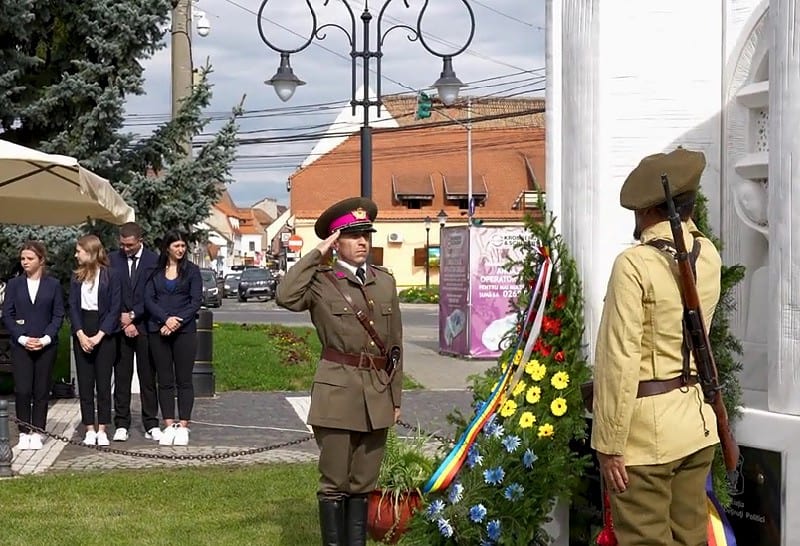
(47, 189)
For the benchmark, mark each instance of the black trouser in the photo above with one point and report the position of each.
(33, 377)
(123, 376)
(174, 360)
(94, 372)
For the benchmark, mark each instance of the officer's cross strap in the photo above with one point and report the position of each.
(360, 315)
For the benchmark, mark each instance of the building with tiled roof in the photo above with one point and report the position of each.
(420, 168)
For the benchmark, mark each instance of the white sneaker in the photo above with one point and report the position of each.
(35, 441)
(91, 438)
(168, 435)
(102, 438)
(24, 442)
(153, 434)
(181, 436)
(121, 434)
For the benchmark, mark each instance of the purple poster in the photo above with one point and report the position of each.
(453, 290)
(492, 288)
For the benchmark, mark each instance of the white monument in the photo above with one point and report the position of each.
(627, 79)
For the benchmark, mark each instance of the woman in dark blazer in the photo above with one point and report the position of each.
(172, 297)
(33, 310)
(95, 304)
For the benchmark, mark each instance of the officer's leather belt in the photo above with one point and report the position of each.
(359, 360)
(661, 386)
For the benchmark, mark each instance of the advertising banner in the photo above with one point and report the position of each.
(476, 289)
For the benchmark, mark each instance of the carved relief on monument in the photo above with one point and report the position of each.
(745, 171)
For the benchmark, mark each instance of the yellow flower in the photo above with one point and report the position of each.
(503, 366)
(546, 430)
(519, 388)
(531, 365)
(558, 407)
(526, 420)
(560, 380)
(537, 372)
(518, 357)
(533, 395)
(509, 408)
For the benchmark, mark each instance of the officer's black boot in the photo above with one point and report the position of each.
(357, 521)
(332, 522)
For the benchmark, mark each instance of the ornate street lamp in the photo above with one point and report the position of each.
(427, 252)
(442, 217)
(286, 82)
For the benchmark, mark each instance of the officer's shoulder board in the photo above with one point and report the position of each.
(381, 268)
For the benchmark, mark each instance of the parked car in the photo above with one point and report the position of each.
(230, 285)
(256, 283)
(211, 292)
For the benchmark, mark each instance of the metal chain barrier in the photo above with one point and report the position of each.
(165, 456)
(443, 440)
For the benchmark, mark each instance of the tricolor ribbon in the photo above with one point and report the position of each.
(532, 322)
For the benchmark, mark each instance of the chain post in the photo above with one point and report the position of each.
(5, 446)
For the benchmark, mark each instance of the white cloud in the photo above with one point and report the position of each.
(241, 62)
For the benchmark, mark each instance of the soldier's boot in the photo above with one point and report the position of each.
(357, 520)
(332, 522)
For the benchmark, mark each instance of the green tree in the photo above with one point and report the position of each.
(66, 70)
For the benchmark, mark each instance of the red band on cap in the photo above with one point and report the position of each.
(348, 219)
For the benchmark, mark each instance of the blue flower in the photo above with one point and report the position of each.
(493, 529)
(487, 542)
(511, 443)
(529, 458)
(514, 492)
(477, 513)
(473, 457)
(444, 527)
(479, 405)
(456, 493)
(434, 509)
(494, 476)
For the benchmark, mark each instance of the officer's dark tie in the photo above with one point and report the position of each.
(362, 276)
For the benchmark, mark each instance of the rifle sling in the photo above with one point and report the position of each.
(667, 246)
(362, 317)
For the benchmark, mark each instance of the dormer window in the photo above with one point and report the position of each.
(414, 191)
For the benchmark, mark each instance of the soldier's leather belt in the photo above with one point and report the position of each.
(359, 360)
(661, 386)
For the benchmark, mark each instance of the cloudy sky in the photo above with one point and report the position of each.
(505, 58)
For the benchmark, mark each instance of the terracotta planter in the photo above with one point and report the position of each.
(387, 523)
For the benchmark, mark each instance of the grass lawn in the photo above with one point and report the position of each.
(268, 357)
(271, 504)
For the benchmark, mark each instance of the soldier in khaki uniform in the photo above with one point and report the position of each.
(652, 431)
(356, 393)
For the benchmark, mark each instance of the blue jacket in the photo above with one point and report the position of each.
(183, 303)
(41, 318)
(109, 302)
(133, 292)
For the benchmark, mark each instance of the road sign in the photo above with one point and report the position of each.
(295, 243)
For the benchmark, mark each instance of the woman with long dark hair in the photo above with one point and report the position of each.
(95, 304)
(33, 310)
(173, 295)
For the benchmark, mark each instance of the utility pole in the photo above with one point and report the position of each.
(181, 57)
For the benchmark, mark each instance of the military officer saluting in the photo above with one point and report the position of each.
(653, 432)
(356, 393)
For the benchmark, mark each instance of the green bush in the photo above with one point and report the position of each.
(420, 294)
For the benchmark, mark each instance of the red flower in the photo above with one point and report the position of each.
(559, 356)
(551, 326)
(545, 350)
(560, 302)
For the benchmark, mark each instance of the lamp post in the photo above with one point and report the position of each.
(286, 82)
(427, 252)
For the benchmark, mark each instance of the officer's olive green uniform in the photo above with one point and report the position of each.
(353, 397)
(667, 439)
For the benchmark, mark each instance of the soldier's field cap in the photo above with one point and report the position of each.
(349, 216)
(642, 189)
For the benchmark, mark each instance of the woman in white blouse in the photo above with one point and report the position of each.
(33, 310)
(95, 303)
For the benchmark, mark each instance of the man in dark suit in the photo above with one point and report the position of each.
(134, 264)
(356, 393)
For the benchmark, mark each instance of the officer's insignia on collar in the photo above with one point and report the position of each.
(359, 214)
(340, 274)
